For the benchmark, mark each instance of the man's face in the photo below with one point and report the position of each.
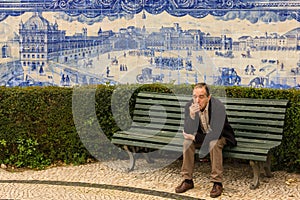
(200, 97)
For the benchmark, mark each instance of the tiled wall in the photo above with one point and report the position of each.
(224, 42)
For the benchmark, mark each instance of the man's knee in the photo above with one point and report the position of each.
(217, 143)
(188, 144)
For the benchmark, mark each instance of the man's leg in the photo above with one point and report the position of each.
(187, 167)
(216, 157)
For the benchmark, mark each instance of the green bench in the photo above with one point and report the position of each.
(158, 123)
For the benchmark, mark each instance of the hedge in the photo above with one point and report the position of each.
(38, 123)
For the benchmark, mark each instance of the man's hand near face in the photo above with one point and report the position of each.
(193, 109)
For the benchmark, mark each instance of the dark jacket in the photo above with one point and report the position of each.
(218, 123)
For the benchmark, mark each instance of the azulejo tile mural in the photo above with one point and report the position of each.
(78, 42)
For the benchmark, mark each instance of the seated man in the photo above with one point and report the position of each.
(206, 126)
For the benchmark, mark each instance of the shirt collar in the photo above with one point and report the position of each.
(206, 108)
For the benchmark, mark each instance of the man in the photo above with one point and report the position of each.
(205, 126)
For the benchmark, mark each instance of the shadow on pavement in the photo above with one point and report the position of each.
(104, 186)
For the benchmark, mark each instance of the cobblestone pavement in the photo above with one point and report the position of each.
(109, 180)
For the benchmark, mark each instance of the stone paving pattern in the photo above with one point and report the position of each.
(110, 180)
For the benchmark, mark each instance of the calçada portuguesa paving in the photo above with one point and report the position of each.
(110, 180)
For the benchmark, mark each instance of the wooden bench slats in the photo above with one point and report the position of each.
(172, 135)
(243, 146)
(262, 102)
(242, 113)
(148, 145)
(248, 111)
(169, 97)
(278, 123)
(163, 138)
(169, 108)
(257, 145)
(158, 114)
(156, 118)
(258, 135)
(158, 124)
(256, 140)
(254, 108)
(155, 139)
(146, 103)
(225, 100)
(175, 111)
(160, 102)
(256, 128)
(234, 126)
(146, 132)
(247, 150)
(246, 153)
(245, 156)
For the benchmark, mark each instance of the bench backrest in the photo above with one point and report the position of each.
(258, 124)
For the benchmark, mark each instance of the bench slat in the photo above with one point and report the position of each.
(247, 150)
(154, 139)
(249, 136)
(156, 126)
(146, 103)
(257, 128)
(169, 108)
(147, 145)
(146, 113)
(255, 109)
(176, 122)
(258, 135)
(144, 110)
(179, 113)
(180, 121)
(150, 133)
(225, 100)
(245, 156)
(242, 113)
(263, 102)
(159, 102)
(257, 145)
(262, 129)
(256, 121)
(147, 132)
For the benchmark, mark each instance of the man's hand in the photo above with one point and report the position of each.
(188, 136)
(193, 109)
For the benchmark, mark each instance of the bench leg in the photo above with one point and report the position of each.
(267, 166)
(256, 173)
(148, 159)
(131, 159)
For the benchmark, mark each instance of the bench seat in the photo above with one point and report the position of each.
(158, 124)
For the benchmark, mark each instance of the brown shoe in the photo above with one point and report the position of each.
(216, 191)
(184, 186)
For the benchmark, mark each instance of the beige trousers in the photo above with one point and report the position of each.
(216, 159)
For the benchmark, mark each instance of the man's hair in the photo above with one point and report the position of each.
(203, 85)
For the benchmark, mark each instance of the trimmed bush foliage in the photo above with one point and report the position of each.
(37, 123)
